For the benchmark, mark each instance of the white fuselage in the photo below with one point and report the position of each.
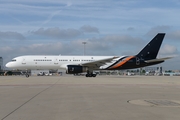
(78, 64)
(33, 62)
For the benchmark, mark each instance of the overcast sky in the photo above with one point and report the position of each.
(110, 27)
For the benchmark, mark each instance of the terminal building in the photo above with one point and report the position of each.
(1, 63)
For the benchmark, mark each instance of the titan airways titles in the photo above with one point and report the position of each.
(78, 64)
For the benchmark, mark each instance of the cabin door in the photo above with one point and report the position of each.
(24, 61)
(56, 61)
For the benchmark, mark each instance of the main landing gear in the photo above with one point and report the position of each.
(90, 74)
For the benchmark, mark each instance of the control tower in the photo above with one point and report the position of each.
(1, 63)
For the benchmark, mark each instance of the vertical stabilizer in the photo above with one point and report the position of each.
(151, 50)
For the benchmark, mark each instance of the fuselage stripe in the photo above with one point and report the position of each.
(122, 62)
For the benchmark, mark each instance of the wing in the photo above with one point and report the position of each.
(96, 64)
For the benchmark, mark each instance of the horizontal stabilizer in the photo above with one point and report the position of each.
(157, 60)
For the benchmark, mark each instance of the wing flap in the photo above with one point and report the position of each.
(98, 63)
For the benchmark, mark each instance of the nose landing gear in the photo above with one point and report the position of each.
(27, 75)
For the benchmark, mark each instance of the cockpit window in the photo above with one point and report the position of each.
(13, 60)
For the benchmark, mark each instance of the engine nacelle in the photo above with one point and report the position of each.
(73, 69)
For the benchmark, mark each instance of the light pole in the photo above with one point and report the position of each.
(84, 46)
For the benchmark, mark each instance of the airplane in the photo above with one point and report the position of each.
(79, 64)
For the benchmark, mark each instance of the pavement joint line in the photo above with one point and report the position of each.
(21, 85)
(29, 100)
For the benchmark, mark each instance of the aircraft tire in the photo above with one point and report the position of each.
(94, 75)
(90, 75)
(27, 75)
(87, 75)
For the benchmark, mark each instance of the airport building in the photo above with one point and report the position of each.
(1, 63)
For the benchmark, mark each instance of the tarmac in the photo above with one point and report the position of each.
(79, 98)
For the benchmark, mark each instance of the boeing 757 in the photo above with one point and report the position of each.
(78, 64)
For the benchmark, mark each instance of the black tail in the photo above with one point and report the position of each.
(151, 50)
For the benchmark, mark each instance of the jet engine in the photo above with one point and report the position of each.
(73, 69)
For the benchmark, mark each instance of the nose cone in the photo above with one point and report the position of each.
(8, 65)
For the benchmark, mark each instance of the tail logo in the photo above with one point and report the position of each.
(137, 61)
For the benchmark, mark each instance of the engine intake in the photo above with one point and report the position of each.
(73, 69)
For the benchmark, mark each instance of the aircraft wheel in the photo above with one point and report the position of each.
(27, 75)
(90, 75)
(94, 75)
